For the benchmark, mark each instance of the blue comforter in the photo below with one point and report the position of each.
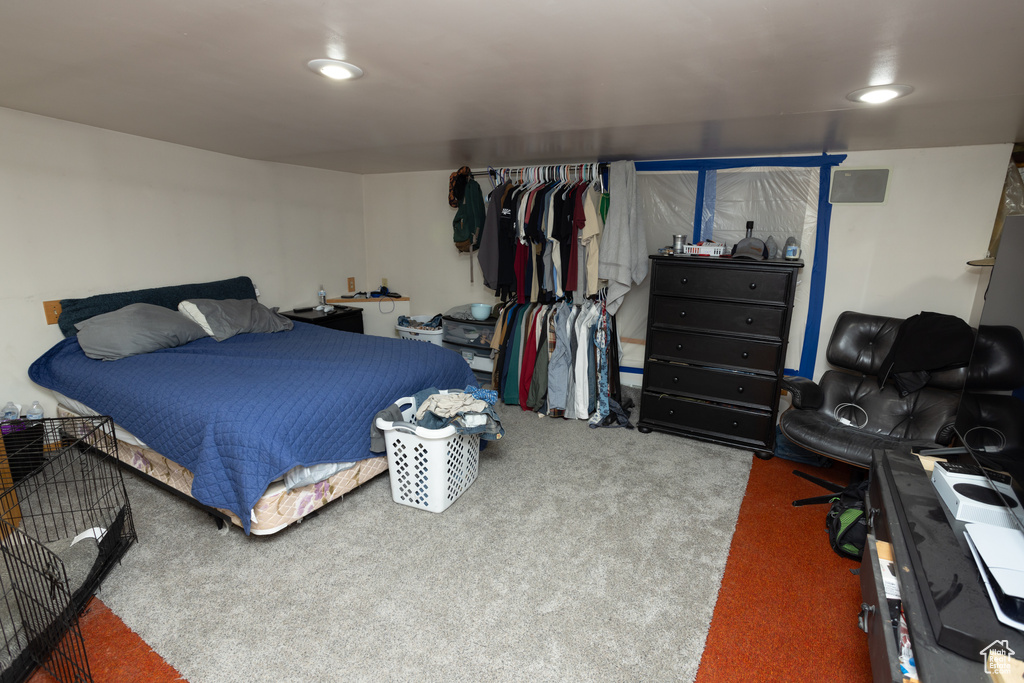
(242, 412)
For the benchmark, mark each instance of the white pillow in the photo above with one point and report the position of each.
(192, 312)
(224, 318)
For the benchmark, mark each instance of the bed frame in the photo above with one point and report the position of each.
(277, 509)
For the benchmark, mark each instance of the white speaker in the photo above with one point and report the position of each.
(859, 185)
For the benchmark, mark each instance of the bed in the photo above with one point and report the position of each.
(222, 418)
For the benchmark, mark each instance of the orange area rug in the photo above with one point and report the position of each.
(115, 653)
(787, 609)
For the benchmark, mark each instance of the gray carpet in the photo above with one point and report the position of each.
(578, 555)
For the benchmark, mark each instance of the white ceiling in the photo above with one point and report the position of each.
(510, 82)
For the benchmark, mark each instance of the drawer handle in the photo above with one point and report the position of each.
(739, 390)
(864, 618)
(679, 347)
(675, 380)
(683, 281)
(745, 355)
(753, 285)
(750, 321)
(671, 412)
(682, 314)
(735, 424)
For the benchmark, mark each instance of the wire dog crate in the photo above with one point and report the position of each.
(64, 522)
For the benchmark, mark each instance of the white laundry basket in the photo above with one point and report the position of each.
(417, 334)
(429, 468)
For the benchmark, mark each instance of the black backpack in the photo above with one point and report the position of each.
(847, 523)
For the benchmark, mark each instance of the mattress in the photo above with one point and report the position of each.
(276, 509)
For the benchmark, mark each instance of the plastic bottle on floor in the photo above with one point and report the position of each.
(10, 411)
(35, 412)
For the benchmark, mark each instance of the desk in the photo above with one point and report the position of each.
(949, 606)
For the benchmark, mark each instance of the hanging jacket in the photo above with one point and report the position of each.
(488, 253)
(469, 218)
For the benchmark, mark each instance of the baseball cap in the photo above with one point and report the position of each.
(750, 247)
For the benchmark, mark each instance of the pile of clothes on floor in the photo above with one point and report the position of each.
(470, 411)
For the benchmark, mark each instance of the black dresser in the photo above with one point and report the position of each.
(717, 330)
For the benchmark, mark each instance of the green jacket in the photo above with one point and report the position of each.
(469, 218)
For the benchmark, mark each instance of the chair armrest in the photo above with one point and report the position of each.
(807, 395)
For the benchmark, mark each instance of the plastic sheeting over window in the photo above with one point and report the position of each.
(783, 201)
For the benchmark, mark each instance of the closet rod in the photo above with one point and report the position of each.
(601, 167)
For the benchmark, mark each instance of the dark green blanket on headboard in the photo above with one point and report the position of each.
(74, 311)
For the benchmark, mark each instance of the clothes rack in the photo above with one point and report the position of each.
(558, 359)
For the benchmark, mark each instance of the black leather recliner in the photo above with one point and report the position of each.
(847, 416)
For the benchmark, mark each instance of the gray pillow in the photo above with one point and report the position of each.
(224, 318)
(135, 329)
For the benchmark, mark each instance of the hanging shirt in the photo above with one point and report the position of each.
(529, 357)
(572, 342)
(590, 238)
(561, 356)
(488, 254)
(507, 241)
(584, 356)
(624, 243)
(577, 220)
(504, 352)
(539, 384)
(562, 232)
(510, 394)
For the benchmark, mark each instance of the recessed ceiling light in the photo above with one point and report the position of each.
(336, 69)
(879, 93)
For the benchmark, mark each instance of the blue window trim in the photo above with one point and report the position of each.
(825, 163)
(698, 211)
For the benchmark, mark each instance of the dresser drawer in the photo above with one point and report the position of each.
(736, 425)
(876, 618)
(686, 279)
(712, 385)
(715, 316)
(468, 333)
(728, 352)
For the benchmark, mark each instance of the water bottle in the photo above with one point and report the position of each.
(35, 412)
(10, 411)
(322, 296)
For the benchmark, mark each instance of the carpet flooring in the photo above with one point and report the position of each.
(786, 609)
(578, 554)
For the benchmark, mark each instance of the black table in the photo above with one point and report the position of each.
(948, 612)
(345, 318)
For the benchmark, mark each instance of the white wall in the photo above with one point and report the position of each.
(86, 211)
(108, 212)
(898, 258)
(409, 242)
(910, 253)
